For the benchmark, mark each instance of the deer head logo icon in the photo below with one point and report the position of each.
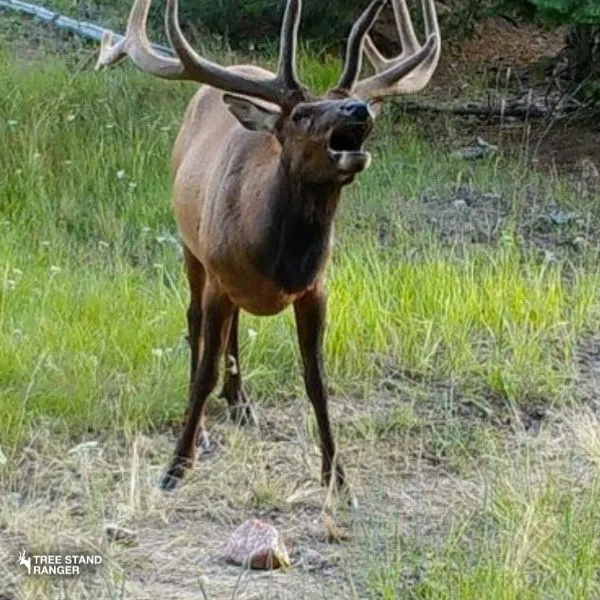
(25, 561)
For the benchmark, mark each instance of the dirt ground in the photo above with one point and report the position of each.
(269, 472)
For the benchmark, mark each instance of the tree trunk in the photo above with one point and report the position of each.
(583, 47)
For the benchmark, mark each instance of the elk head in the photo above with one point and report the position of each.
(321, 138)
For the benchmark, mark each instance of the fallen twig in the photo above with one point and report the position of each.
(516, 109)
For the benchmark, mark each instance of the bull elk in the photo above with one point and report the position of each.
(257, 176)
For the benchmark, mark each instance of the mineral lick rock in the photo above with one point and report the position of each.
(258, 545)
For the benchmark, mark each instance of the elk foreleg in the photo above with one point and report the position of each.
(309, 312)
(196, 278)
(217, 313)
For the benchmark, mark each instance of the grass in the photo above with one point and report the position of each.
(92, 316)
(533, 533)
(93, 285)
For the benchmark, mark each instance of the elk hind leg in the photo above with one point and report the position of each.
(239, 406)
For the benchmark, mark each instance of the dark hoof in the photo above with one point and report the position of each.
(242, 414)
(168, 482)
(175, 474)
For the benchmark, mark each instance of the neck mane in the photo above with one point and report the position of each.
(297, 230)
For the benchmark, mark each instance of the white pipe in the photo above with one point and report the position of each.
(82, 28)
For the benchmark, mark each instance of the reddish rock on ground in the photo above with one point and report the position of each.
(258, 545)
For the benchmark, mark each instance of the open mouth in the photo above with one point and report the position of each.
(345, 148)
(348, 137)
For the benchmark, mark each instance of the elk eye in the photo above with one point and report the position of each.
(302, 121)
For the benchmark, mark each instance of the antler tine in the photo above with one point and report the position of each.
(411, 71)
(405, 28)
(354, 45)
(286, 69)
(204, 71)
(375, 57)
(190, 65)
(406, 33)
(110, 54)
(430, 18)
(135, 44)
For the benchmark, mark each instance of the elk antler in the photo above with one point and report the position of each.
(354, 45)
(410, 71)
(286, 69)
(135, 44)
(192, 66)
(201, 70)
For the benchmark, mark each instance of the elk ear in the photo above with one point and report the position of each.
(252, 116)
(375, 106)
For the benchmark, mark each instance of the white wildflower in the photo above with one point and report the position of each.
(103, 244)
(158, 352)
(84, 446)
(70, 118)
(121, 174)
(252, 333)
(54, 269)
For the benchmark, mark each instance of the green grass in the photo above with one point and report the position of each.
(93, 298)
(531, 533)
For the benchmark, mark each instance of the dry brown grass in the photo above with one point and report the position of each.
(62, 495)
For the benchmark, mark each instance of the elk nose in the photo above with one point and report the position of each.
(356, 109)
